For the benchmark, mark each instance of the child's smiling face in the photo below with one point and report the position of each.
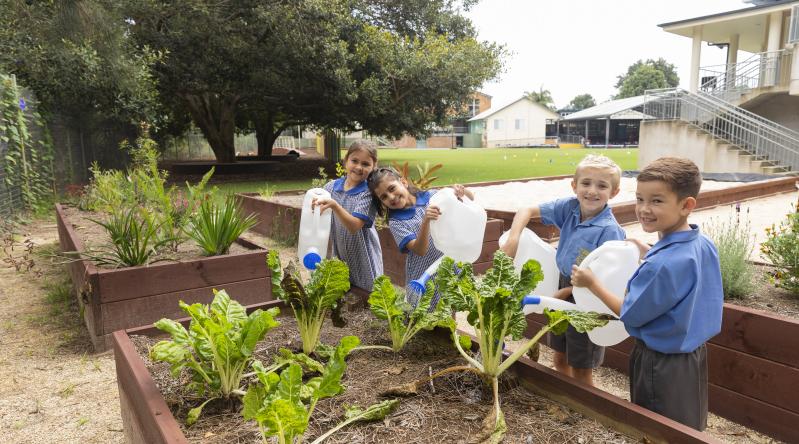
(658, 208)
(358, 165)
(594, 187)
(393, 193)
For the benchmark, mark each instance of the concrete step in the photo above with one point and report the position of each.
(774, 169)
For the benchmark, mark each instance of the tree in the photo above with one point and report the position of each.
(542, 97)
(582, 101)
(668, 70)
(644, 78)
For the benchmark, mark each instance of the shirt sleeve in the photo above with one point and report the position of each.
(329, 187)
(652, 291)
(363, 208)
(402, 232)
(611, 232)
(555, 211)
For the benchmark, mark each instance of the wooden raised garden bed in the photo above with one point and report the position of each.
(114, 299)
(148, 419)
(753, 369)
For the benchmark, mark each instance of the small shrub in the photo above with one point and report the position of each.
(782, 249)
(216, 226)
(425, 179)
(133, 233)
(734, 244)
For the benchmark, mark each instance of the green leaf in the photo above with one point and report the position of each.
(171, 352)
(330, 381)
(290, 383)
(273, 261)
(286, 418)
(258, 324)
(179, 333)
(226, 308)
(253, 401)
(307, 363)
(194, 413)
(372, 413)
(383, 299)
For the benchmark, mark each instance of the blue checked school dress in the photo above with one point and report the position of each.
(360, 251)
(404, 224)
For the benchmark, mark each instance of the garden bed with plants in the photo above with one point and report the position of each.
(244, 376)
(136, 247)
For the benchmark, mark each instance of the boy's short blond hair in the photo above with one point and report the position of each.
(681, 175)
(601, 162)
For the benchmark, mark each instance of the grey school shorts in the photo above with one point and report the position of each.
(580, 351)
(674, 385)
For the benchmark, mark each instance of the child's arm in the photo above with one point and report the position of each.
(350, 222)
(584, 277)
(643, 247)
(520, 221)
(421, 243)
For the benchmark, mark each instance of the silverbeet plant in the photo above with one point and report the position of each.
(404, 321)
(312, 302)
(217, 347)
(282, 405)
(493, 306)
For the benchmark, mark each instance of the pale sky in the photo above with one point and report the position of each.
(573, 47)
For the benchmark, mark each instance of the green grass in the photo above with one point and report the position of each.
(473, 165)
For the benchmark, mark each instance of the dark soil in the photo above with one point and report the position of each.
(768, 297)
(94, 236)
(449, 410)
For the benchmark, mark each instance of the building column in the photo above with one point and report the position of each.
(732, 59)
(586, 131)
(793, 87)
(772, 44)
(607, 131)
(696, 51)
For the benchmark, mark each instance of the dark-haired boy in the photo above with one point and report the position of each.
(673, 303)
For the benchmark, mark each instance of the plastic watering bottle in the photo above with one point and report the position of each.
(533, 247)
(459, 231)
(613, 263)
(314, 229)
(418, 285)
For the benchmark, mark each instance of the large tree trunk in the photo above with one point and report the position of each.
(265, 134)
(215, 116)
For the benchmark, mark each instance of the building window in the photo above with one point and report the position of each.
(793, 34)
(497, 124)
(519, 124)
(474, 107)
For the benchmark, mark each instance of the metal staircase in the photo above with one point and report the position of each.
(769, 142)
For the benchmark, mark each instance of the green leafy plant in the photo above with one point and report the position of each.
(217, 347)
(133, 233)
(215, 226)
(312, 302)
(493, 306)
(319, 182)
(404, 322)
(282, 405)
(782, 249)
(734, 244)
(425, 179)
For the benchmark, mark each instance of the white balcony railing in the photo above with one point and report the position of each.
(730, 81)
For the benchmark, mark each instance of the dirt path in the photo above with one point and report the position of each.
(52, 387)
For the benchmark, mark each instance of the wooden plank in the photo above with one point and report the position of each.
(754, 377)
(763, 417)
(147, 416)
(487, 253)
(129, 313)
(493, 230)
(761, 334)
(143, 281)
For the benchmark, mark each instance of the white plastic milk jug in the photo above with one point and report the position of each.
(314, 229)
(459, 231)
(533, 247)
(613, 263)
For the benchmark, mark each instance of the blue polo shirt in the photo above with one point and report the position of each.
(576, 236)
(674, 300)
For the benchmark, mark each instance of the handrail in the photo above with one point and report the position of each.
(731, 81)
(752, 133)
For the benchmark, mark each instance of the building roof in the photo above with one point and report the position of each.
(777, 5)
(493, 110)
(613, 109)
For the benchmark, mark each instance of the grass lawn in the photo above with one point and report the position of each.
(474, 165)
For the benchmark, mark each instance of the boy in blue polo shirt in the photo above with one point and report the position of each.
(585, 222)
(674, 300)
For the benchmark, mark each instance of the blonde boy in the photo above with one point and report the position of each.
(585, 222)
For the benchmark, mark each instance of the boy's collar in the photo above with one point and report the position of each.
(675, 237)
(422, 198)
(601, 219)
(338, 186)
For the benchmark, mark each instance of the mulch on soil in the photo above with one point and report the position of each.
(449, 410)
(768, 297)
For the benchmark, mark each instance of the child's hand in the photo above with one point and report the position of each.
(643, 247)
(323, 203)
(563, 293)
(461, 191)
(582, 277)
(431, 213)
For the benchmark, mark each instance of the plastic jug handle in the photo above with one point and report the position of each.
(317, 218)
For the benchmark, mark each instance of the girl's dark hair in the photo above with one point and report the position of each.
(365, 145)
(377, 176)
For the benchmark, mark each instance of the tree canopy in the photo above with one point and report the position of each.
(542, 96)
(643, 75)
(582, 101)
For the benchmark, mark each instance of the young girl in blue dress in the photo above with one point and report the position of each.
(354, 236)
(409, 216)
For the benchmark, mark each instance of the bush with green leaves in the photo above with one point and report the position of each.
(734, 244)
(282, 404)
(217, 224)
(217, 347)
(313, 301)
(134, 238)
(493, 306)
(782, 249)
(404, 321)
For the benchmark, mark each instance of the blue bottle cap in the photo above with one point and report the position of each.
(310, 260)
